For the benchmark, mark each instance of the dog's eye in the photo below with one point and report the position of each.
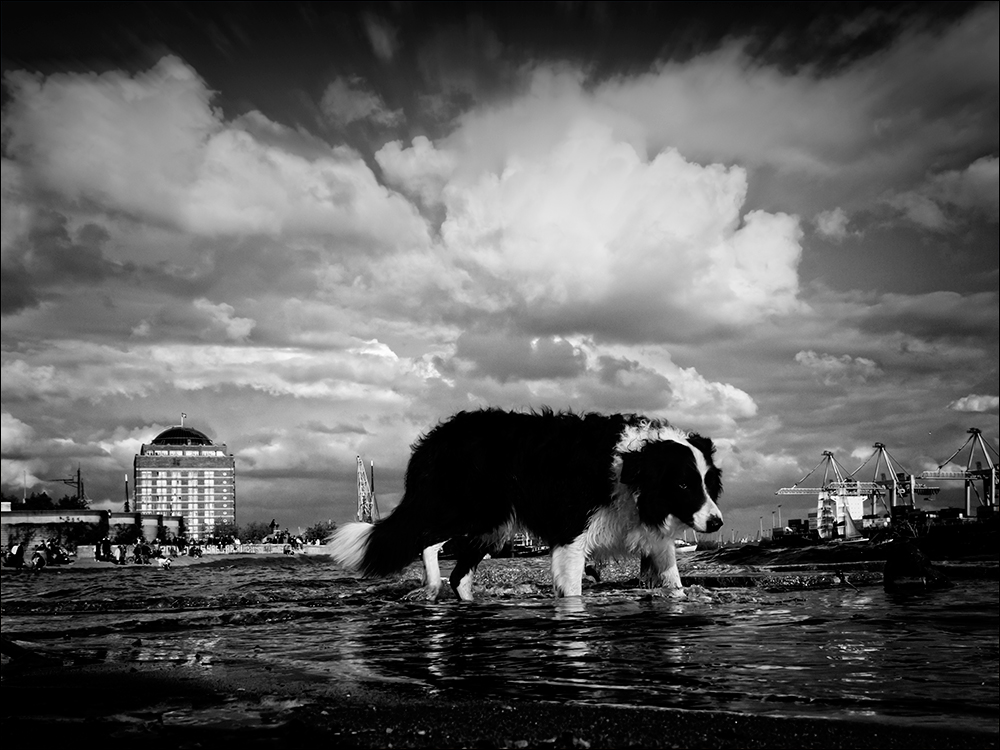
(682, 486)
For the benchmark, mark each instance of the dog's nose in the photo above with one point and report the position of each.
(714, 523)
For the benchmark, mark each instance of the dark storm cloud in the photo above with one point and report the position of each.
(938, 315)
(52, 257)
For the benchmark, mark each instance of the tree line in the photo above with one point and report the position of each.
(257, 532)
(44, 501)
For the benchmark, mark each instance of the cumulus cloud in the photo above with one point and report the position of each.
(420, 170)
(845, 368)
(348, 100)
(594, 230)
(15, 434)
(832, 224)
(152, 146)
(975, 403)
(221, 317)
(26, 456)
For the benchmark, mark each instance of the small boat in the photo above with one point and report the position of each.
(683, 545)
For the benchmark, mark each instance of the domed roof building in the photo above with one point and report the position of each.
(181, 436)
(183, 472)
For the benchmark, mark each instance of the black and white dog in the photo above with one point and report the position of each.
(589, 485)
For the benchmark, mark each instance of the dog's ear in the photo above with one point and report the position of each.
(704, 444)
(631, 468)
(713, 482)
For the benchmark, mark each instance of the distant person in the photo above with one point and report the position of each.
(15, 557)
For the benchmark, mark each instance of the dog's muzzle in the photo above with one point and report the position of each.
(714, 523)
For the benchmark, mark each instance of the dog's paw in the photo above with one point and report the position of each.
(423, 594)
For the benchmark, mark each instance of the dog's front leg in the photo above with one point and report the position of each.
(658, 568)
(568, 562)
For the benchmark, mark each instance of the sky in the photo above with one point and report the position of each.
(320, 229)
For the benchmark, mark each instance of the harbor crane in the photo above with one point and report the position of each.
(899, 483)
(367, 502)
(840, 498)
(842, 483)
(988, 475)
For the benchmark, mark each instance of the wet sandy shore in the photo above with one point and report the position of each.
(77, 704)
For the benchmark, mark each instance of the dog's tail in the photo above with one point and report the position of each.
(379, 549)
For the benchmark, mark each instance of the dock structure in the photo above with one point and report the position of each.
(987, 476)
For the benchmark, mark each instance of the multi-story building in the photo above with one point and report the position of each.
(182, 472)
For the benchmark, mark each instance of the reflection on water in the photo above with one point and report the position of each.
(830, 652)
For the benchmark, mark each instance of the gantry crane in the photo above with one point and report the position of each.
(988, 475)
(899, 483)
(843, 482)
(835, 496)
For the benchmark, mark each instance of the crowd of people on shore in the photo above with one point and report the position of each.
(144, 553)
(49, 552)
(141, 552)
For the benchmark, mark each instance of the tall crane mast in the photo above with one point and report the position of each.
(367, 502)
(898, 484)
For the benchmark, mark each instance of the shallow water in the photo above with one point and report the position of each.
(833, 652)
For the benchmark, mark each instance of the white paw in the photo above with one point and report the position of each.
(424, 593)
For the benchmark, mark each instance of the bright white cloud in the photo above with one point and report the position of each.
(594, 224)
(14, 434)
(975, 403)
(73, 370)
(152, 146)
(420, 170)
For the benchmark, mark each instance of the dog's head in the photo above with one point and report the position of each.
(675, 478)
